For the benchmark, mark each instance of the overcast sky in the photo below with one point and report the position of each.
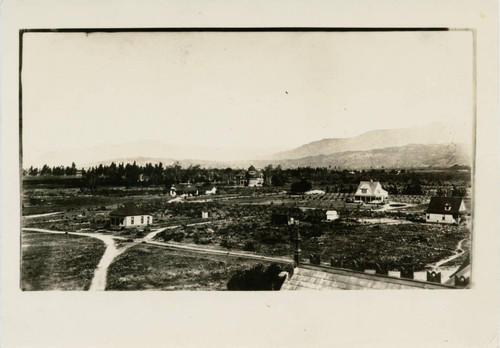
(238, 90)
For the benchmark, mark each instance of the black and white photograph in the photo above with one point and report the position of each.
(213, 174)
(247, 159)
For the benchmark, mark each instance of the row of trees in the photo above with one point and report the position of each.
(395, 182)
(46, 170)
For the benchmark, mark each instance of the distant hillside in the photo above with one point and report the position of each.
(408, 156)
(437, 133)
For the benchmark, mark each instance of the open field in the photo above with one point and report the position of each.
(146, 267)
(58, 262)
(388, 236)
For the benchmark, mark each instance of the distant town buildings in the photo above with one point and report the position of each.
(446, 210)
(130, 215)
(183, 190)
(370, 192)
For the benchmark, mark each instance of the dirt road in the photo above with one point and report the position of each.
(112, 251)
(41, 215)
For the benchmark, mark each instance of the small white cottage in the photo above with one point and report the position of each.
(130, 215)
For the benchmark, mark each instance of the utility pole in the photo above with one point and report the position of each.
(297, 239)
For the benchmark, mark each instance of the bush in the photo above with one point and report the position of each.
(257, 278)
(249, 246)
(179, 236)
(301, 187)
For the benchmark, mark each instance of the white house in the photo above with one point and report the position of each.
(370, 192)
(445, 210)
(213, 191)
(332, 215)
(255, 177)
(130, 215)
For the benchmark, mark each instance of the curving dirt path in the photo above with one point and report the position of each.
(112, 251)
(100, 274)
(457, 252)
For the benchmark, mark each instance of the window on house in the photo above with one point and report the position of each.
(444, 217)
(148, 220)
(447, 207)
(142, 219)
(132, 220)
(363, 190)
(428, 216)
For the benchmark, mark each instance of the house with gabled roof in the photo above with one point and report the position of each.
(445, 210)
(130, 215)
(370, 192)
(255, 178)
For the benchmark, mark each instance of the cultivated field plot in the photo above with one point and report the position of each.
(146, 267)
(58, 262)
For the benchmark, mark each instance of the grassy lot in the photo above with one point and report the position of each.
(58, 262)
(146, 267)
(244, 223)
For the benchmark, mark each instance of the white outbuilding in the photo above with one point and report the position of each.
(130, 215)
(332, 215)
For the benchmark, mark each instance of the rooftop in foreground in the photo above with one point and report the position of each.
(316, 277)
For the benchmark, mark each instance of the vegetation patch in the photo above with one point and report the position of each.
(147, 267)
(58, 262)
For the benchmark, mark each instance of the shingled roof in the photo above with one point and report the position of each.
(372, 184)
(128, 210)
(437, 205)
(314, 277)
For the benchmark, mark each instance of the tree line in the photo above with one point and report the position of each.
(301, 178)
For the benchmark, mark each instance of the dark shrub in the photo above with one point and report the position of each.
(249, 246)
(257, 278)
(179, 236)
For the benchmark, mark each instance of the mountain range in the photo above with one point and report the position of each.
(434, 145)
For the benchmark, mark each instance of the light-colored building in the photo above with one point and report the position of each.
(213, 191)
(255, 177)
(315, 192)
(332, 215)
(370, 192)
(445, 210)
(130, 215)
(183, 190)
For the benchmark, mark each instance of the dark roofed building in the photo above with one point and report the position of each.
(446, 210)
(130, 215)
